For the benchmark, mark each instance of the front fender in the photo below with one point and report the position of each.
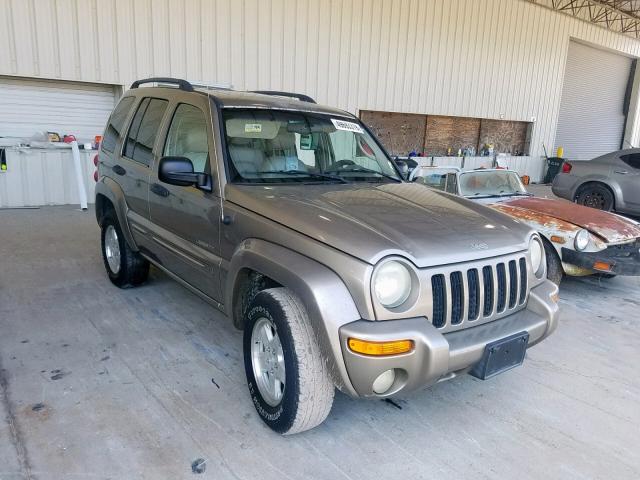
(112, 191)
(328, 302)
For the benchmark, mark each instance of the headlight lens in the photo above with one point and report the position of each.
(392, 284)
(582, 240)
(537, 253)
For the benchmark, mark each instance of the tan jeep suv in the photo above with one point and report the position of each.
(291, 219)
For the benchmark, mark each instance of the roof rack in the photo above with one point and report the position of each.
(182, 84)
(189, 86)
(300, 96)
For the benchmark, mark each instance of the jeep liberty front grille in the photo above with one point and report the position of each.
(478, 293)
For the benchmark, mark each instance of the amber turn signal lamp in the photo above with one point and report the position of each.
(602, 266)
(558, 239)
(380, 349)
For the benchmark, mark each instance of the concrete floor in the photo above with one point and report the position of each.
(102, 383)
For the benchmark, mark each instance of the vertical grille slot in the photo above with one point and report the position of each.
(439, 300)
(513, 283)
(487, 277)
(523, 280)
(502, 287)
(474, 293)
(457, 298)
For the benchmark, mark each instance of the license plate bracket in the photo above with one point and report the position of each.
(501, 355)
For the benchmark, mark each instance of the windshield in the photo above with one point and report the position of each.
(490, 183)
(271, 146)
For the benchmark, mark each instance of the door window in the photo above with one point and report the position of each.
(187, 136)
(143, 130)
(451, 184)
(631, 159)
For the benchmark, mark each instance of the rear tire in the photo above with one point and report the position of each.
(555, 272)
(595, 195)
(125, 267)
(304, 399)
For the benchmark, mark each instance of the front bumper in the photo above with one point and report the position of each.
(438, 356)
(620, 259)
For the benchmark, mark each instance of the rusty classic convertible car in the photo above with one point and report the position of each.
(578, 240)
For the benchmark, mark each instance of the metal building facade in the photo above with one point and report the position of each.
(476, 58)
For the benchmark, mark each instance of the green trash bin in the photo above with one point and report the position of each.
(554, 164)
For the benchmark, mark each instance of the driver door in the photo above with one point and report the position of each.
(626, 171)
(187, 219)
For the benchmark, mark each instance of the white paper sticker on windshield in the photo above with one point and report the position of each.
(252, 128)
(347, 126)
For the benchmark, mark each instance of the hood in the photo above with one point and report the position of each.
(608, 226)
(370, 222)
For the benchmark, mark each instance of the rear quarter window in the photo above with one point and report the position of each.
(115, 126)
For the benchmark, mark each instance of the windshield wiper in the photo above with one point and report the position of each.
(515, 194)
(522, 194)
(483, 195)
(365, 170)
(303, 172)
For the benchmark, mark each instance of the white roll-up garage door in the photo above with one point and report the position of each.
(28, 106)
(591, 119)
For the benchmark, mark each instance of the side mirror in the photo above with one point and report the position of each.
(179, 171)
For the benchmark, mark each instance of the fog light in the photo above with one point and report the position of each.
(384, 381)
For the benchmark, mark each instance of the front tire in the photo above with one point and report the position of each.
(595, 195)
(288, 380)
(125, 267)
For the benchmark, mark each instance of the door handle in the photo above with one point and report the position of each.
(621, 172)
(160, 190)
(117, 169)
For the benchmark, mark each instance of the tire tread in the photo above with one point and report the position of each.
(316, 389)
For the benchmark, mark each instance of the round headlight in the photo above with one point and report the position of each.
(582, 240)
(392, 284)
(537, 252)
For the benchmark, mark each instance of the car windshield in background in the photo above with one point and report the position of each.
(432, 176)
(272, 146)
(490, 183)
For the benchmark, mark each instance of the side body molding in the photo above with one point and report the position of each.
(110, 189)
(328, 301)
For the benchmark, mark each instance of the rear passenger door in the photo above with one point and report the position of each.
(186, 220)
(134, 165)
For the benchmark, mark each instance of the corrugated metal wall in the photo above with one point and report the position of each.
(477, 58)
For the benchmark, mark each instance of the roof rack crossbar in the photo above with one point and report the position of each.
(212, 86)
(182, 84)
(300, 96)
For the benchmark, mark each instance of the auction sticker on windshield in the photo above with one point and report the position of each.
(347, 126)
(252, 128)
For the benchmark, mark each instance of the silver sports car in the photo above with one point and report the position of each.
(609, 182)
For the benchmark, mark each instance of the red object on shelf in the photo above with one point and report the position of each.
(69, 138)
